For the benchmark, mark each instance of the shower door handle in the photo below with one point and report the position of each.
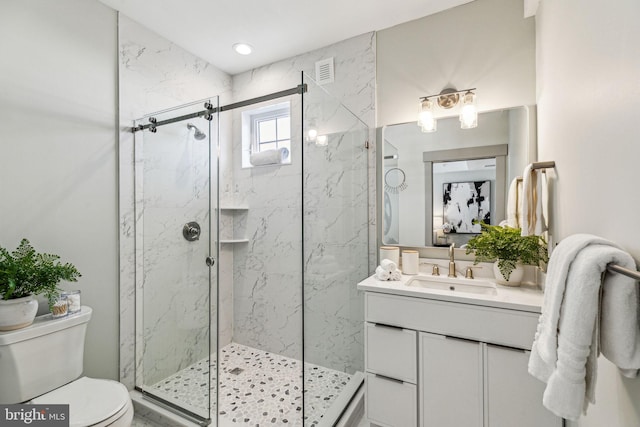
(210, 261)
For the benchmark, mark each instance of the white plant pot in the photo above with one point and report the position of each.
(17, 313)
(515, 278)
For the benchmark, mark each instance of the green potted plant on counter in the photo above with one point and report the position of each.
(25, 273)
(510, 251)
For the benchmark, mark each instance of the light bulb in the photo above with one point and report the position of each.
(242, 48)
(468, 112)
(426, 119)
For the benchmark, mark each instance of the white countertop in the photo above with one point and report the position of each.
(524, 298)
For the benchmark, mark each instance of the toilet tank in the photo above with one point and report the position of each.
(42, 357)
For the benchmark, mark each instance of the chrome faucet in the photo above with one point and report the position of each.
(452, 263)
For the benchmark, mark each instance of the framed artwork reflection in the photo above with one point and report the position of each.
(465, 202)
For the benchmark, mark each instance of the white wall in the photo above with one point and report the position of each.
(588, 60)
(486, 44)
(58, 150)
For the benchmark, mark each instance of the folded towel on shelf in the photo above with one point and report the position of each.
(569, 335)
(269, 157)
(514, 203)
(532, 220)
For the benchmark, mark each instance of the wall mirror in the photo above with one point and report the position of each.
(431, 186)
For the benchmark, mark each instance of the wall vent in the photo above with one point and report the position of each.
(324, 71)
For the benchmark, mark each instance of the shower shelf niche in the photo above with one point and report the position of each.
(233, 220)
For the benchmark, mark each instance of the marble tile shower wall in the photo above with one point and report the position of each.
(267, 274)
(268, 271)
(335, 224)
(155, 74)
(174, 277)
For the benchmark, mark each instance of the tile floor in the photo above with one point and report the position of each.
(257, 388)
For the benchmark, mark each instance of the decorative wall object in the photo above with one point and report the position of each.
(466, 202)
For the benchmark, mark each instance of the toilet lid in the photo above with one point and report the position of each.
(91, 401)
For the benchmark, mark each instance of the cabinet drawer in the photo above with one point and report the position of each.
(390, 403)
(506, 327)
(391, 352)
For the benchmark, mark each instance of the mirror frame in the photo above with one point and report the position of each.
(499, 152)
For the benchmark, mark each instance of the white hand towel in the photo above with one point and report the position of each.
(395, 275)
(514, 203)
(546, 340)
(565, 350)
(388, 265)
(532, 220)
(382, 274)
(269, 157)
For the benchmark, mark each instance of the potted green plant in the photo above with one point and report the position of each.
(25, 273)
(509, 249)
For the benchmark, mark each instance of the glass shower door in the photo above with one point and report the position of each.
(336, 253)
(176, 245)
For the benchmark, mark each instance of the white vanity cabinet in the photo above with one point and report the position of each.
(435, 363)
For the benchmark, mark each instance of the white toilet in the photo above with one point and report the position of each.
(42, 364)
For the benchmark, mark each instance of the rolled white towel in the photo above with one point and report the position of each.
(382, 274)
(388, 265)
(395, 275)
(269, 157)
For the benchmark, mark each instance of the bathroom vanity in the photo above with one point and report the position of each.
(451, 352)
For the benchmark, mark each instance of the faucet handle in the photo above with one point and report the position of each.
(469, 272)
(436, 270)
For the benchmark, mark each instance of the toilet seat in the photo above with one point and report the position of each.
(92, 402)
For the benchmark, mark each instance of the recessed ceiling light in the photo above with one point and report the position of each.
(242, 48)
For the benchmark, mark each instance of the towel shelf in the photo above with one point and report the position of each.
(614, 268)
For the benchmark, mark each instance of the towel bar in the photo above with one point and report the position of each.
(543, 165)
(618, 269)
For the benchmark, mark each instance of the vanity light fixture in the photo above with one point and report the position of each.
(447, 99)
(242, 48)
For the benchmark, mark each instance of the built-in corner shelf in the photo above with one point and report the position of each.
(233, 224)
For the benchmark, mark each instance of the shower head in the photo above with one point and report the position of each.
(198, 134)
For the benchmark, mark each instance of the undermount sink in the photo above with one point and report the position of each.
(453, 284)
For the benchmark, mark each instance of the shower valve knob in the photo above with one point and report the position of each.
(191, 231)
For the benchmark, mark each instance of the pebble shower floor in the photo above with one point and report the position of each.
(257, 388)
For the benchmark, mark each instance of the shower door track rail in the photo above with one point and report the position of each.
(176, 409)
(209, 109)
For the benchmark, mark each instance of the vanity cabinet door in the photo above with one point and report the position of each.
(514, 398)
(450, 382)
(390, 402)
